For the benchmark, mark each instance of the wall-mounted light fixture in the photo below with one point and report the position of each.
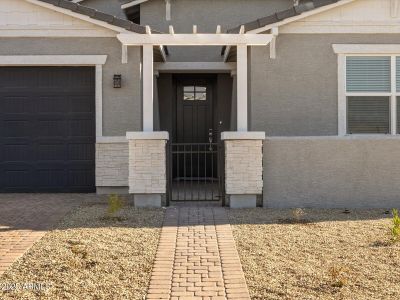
(117, 81)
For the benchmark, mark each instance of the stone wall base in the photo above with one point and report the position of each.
(242, 201)
(147, 200)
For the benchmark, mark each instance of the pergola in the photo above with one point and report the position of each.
(241, 40)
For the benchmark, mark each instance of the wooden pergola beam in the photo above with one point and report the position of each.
(201, 39)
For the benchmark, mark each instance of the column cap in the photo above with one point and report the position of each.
(147, 135)
(243, 135)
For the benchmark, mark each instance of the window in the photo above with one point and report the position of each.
(368, 82)
(194, 93)
(372, 87)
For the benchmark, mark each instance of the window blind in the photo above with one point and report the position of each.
(368, 115)
(368, 74)
(398, 74)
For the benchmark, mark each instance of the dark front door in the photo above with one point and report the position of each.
(194, 110)
(47, 129)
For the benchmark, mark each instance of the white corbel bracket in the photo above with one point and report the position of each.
(124, 54)
(272, 45)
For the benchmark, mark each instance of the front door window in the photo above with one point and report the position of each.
(195, 93)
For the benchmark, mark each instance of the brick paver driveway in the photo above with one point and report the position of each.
(25, 218)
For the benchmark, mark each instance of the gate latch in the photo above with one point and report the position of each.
(210, 138)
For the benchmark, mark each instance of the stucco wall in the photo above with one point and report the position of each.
(337, 172)
(206, 14)
(296, 93)
(121, 107)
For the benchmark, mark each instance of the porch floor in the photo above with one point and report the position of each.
(195, 191)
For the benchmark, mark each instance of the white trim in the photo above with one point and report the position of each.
(141, 135)
(302, 16)
(198, 67)
(361, 94)
(393, 97)
(342, 102)
(132, 3)
(67, 60)
(163, 54)
(111, 140)
(124, 58)
(99, 100)
(242, 88)
(51, 60)
(203, 39)
(77, 15)
(272, 45)
(368, 49)
(148, 88)
(394, 8)
(227, 51)
(240, 135)
(54, 31)
(168, 10)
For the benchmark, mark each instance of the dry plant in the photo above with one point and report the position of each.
(297, 217)
(396, 226)
(79, 250)
(115, 204)
(298, 214)
(339, 276)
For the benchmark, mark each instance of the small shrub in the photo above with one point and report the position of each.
(115, 204)
(79, 251)
(339, 276)
(297, 217)
(298, 214)
(396, 226)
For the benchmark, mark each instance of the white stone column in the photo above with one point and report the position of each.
(243, 167)
(147, 167)
(148, 88)
(242, 87)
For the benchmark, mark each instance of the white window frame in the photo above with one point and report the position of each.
(345, 51)
(67, 60)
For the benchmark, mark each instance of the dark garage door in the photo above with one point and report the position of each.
(47, 129)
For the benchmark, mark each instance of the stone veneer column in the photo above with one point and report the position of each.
(147, 167)
(243, 167)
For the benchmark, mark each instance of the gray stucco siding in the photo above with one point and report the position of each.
(121, 107)
(331, 172)
(296, 94)
(206, 14)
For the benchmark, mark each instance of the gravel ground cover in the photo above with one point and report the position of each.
(89, 256)
(317, 254)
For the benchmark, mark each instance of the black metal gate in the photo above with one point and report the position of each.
(196, 172)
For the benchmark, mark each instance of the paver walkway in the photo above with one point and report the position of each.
(25, 218)
(197, 257)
